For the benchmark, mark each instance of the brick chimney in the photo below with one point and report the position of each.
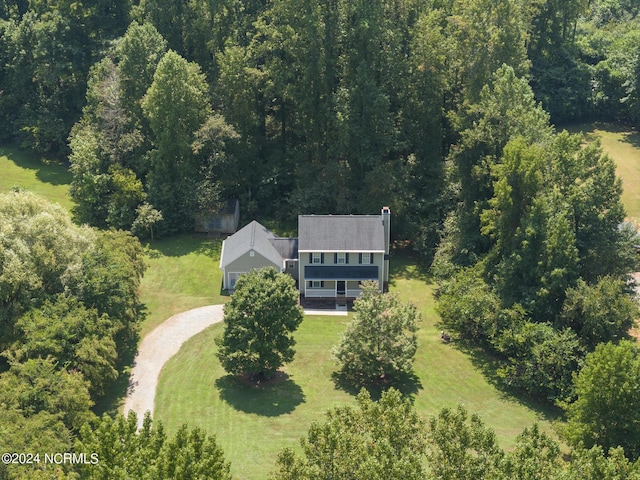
(386, 223)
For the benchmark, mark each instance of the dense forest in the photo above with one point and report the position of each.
(445, 110)
(165, 108)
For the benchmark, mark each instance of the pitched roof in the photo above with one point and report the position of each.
(286, 247)
(340, 233)
(255, 236)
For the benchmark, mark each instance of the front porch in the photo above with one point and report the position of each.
(326, 303)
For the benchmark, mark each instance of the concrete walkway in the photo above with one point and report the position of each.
(158, 347)
(336, 313)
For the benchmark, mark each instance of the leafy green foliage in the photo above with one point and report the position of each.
(176, 106)
(77, 338)
(37, 385)
(37, 433)
(468, 306)
(539, 359)
(599, 313)
(535, 456)
(460, 446)
(70, 314)
(380, 342)
(606, 405)
(378, 440)
(128, 453)
(40, 253)
(595, 463)
(259, 319)
(539, 220)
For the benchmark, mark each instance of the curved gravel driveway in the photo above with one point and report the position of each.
(158, 347)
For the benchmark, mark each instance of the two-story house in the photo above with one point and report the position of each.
(332, 255)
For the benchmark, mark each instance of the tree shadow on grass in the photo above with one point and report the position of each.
(489, 365)
(181, 245)
(47, 170)
(405, 264)
(272, 398)
(407, 383)
(116, 391)
(632, 138)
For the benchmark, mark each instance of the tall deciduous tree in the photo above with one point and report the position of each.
(76, 337)
(37, 385)
(536, 455)
(378, 440)
(506, 109)
(176, 105)
(380, 342)
(41, 252)
(259, 321)
(43, 76)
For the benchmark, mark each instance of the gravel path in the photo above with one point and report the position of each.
(158, 347)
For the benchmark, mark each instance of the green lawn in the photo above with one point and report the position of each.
(182, 273)
(36, 174)
(253, 424)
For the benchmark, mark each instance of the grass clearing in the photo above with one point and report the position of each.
(36, 174)
(253, 424)
(182, 273)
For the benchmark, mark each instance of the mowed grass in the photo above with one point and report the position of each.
(182, 273)
(36, 174)
(253, 424)
(622, 144)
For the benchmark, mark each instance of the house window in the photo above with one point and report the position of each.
(291, 264)
(252, 253)
(341, 258)
(316, 257)
(365, 258)
(316, 283)
(233, 278)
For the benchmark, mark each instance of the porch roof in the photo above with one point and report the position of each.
(341, 272)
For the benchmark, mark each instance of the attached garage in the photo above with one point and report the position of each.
(254, 246)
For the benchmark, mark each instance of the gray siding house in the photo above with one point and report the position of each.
(254, 246)
(332, 255)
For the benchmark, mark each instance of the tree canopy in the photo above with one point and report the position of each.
(376, 440)
(259, 322)
(380, 342)
(604, 411)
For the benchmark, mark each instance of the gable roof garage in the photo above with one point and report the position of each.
(254, 246)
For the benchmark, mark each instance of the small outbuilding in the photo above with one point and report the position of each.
(223, 222)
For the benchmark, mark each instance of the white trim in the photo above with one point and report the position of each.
(229, 286)
(222, 256)
(345, 251)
